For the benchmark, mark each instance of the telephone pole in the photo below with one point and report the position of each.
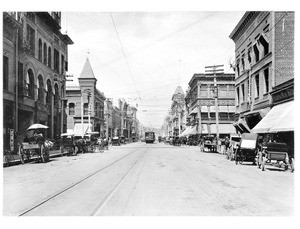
(214, 69)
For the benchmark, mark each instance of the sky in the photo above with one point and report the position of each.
(143, 56)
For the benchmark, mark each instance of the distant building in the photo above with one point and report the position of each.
(85, 101)
(200, 102)
(35, 61)
(177, 118)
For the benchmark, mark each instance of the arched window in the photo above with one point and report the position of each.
(49, 58)
(40, 53)
(265, 44)
(40, 88)
(30, 83)
(56, 96)
(49, 92)
(71, 109)
(85, 109)
(45, 54)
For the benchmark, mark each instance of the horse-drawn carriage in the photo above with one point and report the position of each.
(247, 151)
(35, 144)
(210, 143)
(116, 141)
(68, 144)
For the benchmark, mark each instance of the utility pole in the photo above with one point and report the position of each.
(214, 69)
(89, 110)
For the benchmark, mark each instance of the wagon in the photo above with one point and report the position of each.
(247, 151)
(116, 141)
(92, 140)
(35, 144)
(68, 145)
(235, 140)
(209, 143)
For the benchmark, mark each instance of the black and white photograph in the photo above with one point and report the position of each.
(163, 112)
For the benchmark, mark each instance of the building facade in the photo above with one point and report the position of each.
(264, 53)
(85, 104)
(202, 109)
(35, 62)
(177, 115)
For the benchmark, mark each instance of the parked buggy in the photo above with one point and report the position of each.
(35, 144)
(68, 145)
(210, 144)
(81, 143)
(92, 141)
(247, 151)
(116, 141)
(275, 152)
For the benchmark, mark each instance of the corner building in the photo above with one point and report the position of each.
(35, 62)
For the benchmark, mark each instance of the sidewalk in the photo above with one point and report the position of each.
(16, 161)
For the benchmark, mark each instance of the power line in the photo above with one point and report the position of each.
(124, 54)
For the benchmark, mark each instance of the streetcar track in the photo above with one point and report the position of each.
(112, 191)
(73, 185)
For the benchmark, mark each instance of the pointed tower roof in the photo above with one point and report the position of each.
(87, 71)
(178, 90)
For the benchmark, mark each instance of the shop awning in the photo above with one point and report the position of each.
(78, 128)
(185, 132)
(242, 126)
(193, 131)
(194, 111)
(204, 129)
(223, 129)
(279, 119)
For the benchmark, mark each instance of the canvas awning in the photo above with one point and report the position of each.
(204, 109)
(279, 119)
(184, 133)
(223, 129)
(193, 131)
(204, 129)
(78, 128)
(194, 111)
(242, 126)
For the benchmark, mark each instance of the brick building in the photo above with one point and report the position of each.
(200, 102)
(85, 102)
(264, 53)
(35, 61)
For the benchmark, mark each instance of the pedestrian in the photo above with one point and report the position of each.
(237, 153)
(227, 145)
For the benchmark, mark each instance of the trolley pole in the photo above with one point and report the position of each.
(214, 69)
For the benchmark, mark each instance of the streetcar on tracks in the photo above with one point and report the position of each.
(149, 137)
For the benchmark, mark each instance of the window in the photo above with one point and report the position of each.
(71, 109)
(257, 86)
(85, 109)
(56, 61)
(40, 53)
(237, 96)
(49, 92)
(62, 64)
(266, 76)
(40, 88)
(20, 78)
(31, 39)
(243, 62)
(5, 72)
(265, 44)
(238, 67)
(203, 91)
(49, 58)
(256, 52)
(96, 109)
(249, 56)
(222, 91)
(243, 93)
(30, 83)
(45, 54)
(204, 116)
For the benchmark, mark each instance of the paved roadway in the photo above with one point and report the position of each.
(146, 179)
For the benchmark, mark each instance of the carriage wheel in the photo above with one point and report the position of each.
(21, 154)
